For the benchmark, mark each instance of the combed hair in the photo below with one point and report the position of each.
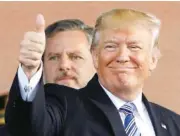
(69, 24)
(128, 15)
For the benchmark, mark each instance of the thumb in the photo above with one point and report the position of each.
(40, 23)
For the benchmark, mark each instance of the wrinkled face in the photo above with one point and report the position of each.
(67, 59)
(123, 58)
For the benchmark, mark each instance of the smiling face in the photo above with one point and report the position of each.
(67, 59)
(123, 57)
(124, 50)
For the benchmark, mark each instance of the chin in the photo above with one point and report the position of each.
(124, 83)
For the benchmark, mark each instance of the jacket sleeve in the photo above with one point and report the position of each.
(36, 118)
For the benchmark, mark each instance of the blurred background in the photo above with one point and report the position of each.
(163, 87)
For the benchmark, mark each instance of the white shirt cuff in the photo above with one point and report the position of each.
(28, 88)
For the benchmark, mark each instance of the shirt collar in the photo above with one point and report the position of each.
(119, 102)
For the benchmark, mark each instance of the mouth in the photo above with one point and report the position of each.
(123, 69)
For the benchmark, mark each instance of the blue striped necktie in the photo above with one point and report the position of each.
(129, 122)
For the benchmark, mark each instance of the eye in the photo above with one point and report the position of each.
(135, 47)
(53, 57)
(110, 47)
(75, 57)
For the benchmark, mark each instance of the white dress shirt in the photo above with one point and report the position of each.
(142, 118)
(28, 91)
(28, 88)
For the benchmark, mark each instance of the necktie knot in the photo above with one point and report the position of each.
(128, 108)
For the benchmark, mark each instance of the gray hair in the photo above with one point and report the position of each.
(69, 24)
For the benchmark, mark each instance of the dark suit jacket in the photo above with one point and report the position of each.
(67, 112)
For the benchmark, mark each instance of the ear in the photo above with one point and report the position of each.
(155, 56)
(94, 52)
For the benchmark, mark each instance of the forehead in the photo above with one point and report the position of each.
(130, 32)
(120, 18)
(128, 23)
(67, 40)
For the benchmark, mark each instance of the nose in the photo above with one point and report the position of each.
(122, 55)
(64, 63)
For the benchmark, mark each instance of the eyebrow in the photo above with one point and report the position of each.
(59, 54)
(110, 41)
(128, 41)
(134, 42)
(54, 54)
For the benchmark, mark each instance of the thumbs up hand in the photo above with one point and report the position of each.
(32, 48)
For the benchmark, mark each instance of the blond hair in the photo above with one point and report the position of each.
(127, 16)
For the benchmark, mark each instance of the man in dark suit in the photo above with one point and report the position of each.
(125, 52)
(62, 37)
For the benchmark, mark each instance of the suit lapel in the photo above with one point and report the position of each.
(97, 96)
(157, 119)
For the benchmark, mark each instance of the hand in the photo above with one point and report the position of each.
(32, 48)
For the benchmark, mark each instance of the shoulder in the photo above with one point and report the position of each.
(63, 92)
(166, 112)
(55, 89)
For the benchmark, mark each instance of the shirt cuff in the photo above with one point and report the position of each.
(28, 88)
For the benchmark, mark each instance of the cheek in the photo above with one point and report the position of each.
(106, 58)
(77, 68)
(50, 68)
(141, 61)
